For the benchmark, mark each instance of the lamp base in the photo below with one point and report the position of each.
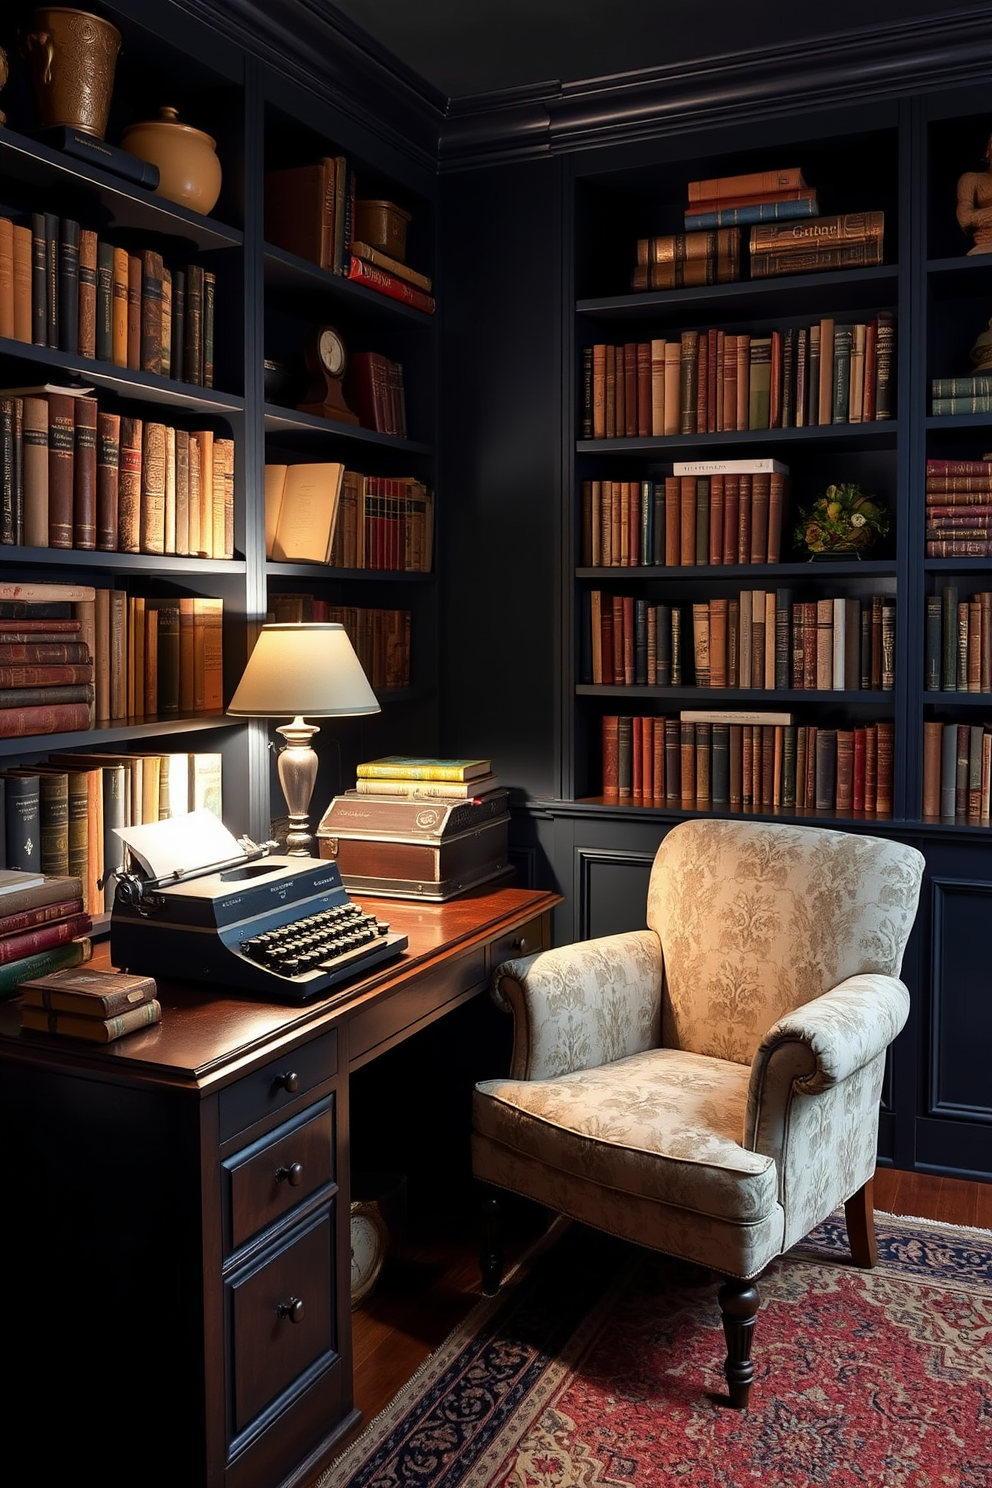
(298, 775)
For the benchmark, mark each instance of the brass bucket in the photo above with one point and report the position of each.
(73, 56)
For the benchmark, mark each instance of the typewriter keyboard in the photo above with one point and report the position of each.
(316, 943)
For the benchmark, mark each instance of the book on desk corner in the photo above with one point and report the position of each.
(93, 1030)
(89, 993)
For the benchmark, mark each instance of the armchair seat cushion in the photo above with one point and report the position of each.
(663, 1125)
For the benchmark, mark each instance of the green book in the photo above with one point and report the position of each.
(760, 383)
(73, 953)
(843, 335)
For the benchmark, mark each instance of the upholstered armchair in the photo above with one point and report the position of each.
(709, 1086)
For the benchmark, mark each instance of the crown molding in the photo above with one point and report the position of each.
(315, 46)
(913, 56)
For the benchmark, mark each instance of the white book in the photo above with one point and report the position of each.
(759, 466)
(840, 644)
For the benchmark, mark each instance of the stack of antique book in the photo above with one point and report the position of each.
(99, 1006)
(43, 925)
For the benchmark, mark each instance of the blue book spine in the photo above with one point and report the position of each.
(781, 211)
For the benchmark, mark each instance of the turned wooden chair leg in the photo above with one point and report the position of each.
(859, 1212)
(491, 1259)
(739, 1303)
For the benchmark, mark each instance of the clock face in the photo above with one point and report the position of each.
(331, 350)
(368, 1248)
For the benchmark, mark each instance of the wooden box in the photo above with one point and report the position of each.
(382, 224)
(415, 849)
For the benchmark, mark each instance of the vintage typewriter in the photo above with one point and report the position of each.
(280, 926)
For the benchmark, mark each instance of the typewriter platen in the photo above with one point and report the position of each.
(280, 926)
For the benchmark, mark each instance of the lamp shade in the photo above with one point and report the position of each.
(303, 671)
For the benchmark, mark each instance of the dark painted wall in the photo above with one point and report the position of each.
(500, 399)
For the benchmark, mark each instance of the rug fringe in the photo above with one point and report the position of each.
(932, 1224)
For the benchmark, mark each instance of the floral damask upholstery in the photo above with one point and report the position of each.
(709, 1086)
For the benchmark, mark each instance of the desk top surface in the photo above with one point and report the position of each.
(208, 1032)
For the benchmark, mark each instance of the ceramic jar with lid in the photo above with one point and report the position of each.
(189, 171)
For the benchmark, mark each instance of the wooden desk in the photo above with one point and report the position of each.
(176, 1234)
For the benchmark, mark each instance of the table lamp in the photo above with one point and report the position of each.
(301, 669)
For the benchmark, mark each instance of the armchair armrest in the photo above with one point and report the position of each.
(817, 1046)
(582, 1005)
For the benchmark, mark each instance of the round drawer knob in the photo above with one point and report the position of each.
(290, 1082)
(520, 944)
(293, 1175)
(293, 1309)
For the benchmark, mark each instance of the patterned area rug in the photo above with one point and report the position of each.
(599, 1364)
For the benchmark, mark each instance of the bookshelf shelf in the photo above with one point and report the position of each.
(789, 294)
(282, 420)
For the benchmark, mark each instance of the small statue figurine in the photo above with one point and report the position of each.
(981, 351)
(974, 209)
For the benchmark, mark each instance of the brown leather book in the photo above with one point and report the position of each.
(43, 718)
(151, 312)
(108, 454)
(165, 367)
(885, 765)
(204, 441)
(61, 445)
(53, 674)
(153, 459)
(87, 292)
(22, 250)
(129, 486)
(119, 308)
(6, 277)
(134, 311)
(217, 500)
(35, 477)
(193, 337)
(208, 654)
(182, 491)
(84, 473)
(845, 769)
(299, 210)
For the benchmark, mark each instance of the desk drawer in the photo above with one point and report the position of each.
(277, 1084)
(415, 1003)
(533, 936)
(270, 1178)
(282, 1320)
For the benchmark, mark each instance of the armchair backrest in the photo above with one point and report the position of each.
(758, 918)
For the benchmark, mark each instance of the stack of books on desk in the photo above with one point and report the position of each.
(43, 926)
(419, 828)
(99, 1006)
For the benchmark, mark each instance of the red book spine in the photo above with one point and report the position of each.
(14, 947)
(860, 745)
(637, 759)
(46, 676)
(61, 444)
(744, 520)
(43, 718)
(644, 389)
(388, 284)
(731, 516)
(611, 754)
(44, 914)
(716, 521)
(50, 653)
(84, 473)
